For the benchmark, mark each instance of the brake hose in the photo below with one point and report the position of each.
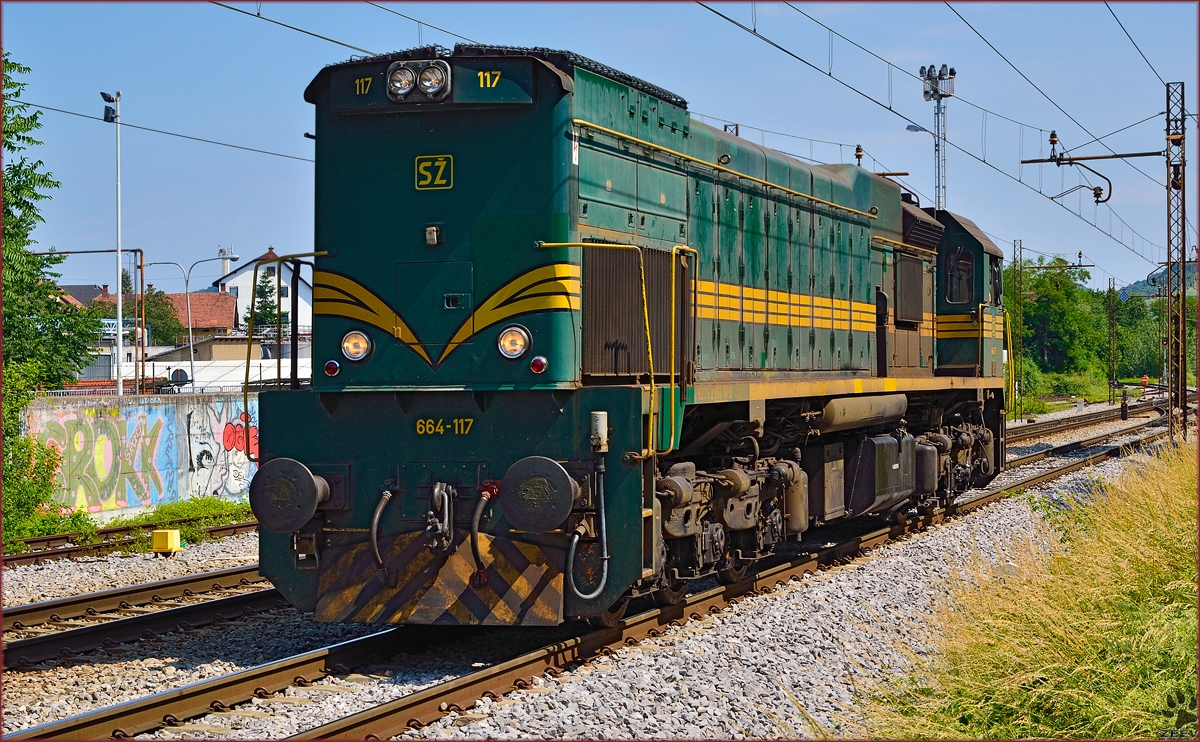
(383, 501)
(486, 494)
(603, 544)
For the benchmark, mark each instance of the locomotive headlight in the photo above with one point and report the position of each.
(513, 342)
(401, 81)
(356, 345)
(432, 80)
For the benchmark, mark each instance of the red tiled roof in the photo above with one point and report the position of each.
(211, 310)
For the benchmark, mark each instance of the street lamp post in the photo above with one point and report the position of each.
(113, 115)
(187, 298)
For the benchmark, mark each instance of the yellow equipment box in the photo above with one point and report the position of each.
(165, 541)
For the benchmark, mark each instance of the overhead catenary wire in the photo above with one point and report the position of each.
(1118, 131)
(295, 28)
(168, 133)
(915, 77)
(948, 142)
(1043, 93)
(1135, 44)
(422, 23)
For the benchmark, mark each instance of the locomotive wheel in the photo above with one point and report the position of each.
(732, 574)
(610, 617)
(670, 595)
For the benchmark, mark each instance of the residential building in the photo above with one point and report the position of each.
(240, 284)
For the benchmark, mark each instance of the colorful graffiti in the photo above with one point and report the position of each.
(145, 451)
(217, 464)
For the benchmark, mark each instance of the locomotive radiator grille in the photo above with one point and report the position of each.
(614, 328)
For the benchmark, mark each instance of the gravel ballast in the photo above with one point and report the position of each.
(786, 664)
(33, 583)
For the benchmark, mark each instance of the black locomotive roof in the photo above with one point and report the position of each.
(561, 59)
(964, 224)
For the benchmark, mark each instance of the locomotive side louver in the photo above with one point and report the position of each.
(614, 330)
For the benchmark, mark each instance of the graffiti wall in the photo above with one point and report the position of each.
(134, 452)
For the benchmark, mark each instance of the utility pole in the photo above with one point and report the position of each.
(1176, 260)
(938, 85)
(113, 115)
(1019, 332)
(1112, 340)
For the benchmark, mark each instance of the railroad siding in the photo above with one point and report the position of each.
(120, 455)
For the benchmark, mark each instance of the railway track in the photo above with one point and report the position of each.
(68, 626)
(1063, 424)
(173, 707)
(65, 546)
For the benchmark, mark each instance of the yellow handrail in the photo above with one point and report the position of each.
(675, 250)
(904, 245)
(250, 329)
(650, 450)
(719, 168)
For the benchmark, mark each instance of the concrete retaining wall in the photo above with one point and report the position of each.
(123, 454)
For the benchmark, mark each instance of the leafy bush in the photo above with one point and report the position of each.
(29, 469)
(212, 511)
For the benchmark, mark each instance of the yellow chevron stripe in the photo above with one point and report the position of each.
(550, 287)
(336, 295)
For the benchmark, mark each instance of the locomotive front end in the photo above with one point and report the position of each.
(442, 468)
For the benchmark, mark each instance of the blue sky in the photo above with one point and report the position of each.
(206, 71)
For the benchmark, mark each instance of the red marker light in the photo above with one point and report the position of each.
(538, 364)
(332, 368)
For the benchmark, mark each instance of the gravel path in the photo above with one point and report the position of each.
(58, 579)
(1069, 412)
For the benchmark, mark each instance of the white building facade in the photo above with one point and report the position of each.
(240, 283)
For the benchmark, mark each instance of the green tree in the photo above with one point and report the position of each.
(40, 329)
(161, 316)
(1065, 322)
(265, 304)
(45, 339)
(126, 282)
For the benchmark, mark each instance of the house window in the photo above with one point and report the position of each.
(271, 271)
(233, 290)
(283, 292)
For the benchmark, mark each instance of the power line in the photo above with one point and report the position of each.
(168, 133)
(1135, 46)
(948, 142)
(768, 131)
(294, 28)
(1052, 102)
(915, 77)
(1118, 131)
(422, 23)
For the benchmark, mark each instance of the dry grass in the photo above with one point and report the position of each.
(1091, 635)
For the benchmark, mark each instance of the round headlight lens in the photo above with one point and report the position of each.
(401, 81)
(356, 345)
(513, 342)
(432, 80)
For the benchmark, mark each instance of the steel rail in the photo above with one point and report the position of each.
(1066, 448)
(53, 547)
(1036, 430)
(170, 707)
(63, 644)
(425, 706)
(75, 606)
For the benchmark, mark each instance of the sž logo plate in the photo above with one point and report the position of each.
(434, 172)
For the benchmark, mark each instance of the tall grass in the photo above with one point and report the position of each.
(1090, 633)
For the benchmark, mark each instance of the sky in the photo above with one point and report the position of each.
(207, 71)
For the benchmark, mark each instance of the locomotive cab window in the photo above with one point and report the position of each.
(997, 281)
(960, 278)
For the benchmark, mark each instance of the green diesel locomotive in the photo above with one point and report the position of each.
(571, 346)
